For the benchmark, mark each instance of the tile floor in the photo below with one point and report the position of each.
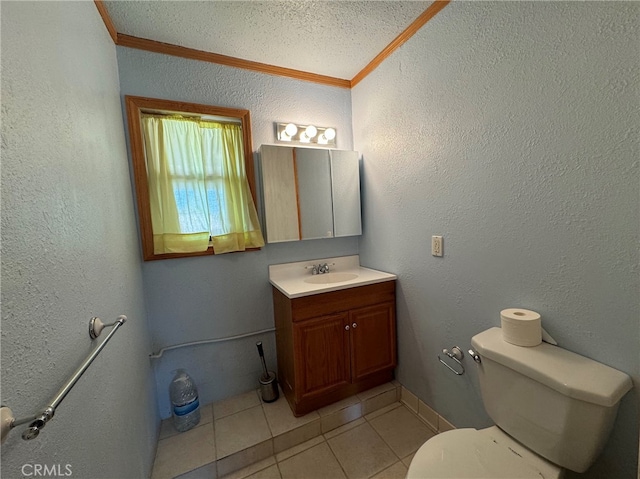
(370, 435)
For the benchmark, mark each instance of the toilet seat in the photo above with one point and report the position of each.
(472, 453)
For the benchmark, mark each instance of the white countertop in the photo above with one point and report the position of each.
(289, 278)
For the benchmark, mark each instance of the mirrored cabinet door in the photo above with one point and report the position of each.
(279, 194)
(310, 193)
(314, 193)
(345, 188)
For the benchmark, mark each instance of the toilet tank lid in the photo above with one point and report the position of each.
(568, 373)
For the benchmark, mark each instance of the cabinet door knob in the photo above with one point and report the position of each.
(346, 328)
(354, 325)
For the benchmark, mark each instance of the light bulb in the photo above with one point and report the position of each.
(291, 129)
(311, 131)
(329, 134)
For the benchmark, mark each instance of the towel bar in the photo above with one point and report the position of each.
(38, 420)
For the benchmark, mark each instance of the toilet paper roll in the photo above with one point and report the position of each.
(521, 327)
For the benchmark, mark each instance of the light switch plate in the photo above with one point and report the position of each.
(436, 246)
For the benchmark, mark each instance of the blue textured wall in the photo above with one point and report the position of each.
(510, 128)
(69, 248)
(212, 297)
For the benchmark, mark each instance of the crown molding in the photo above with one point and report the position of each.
(121, 39)
(107, 20)
(193, 54)
(401, 39)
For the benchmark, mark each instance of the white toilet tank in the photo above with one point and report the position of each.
(557, 403)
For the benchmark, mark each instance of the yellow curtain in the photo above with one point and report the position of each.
(198, 186)
(176, 185)
(234, 220)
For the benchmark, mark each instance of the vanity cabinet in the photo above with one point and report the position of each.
(333, 345)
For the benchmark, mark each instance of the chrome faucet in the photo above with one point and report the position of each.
(321, 268)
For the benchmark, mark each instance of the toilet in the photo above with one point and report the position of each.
(553, 410)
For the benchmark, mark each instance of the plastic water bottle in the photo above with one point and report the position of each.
(185, 406)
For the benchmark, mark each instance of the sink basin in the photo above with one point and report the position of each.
(329, 278)
(295, 281)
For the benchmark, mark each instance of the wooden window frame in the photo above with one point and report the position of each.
(135, 106)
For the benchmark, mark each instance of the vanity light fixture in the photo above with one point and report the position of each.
(290, 130)
(309, 134)
(306, 134)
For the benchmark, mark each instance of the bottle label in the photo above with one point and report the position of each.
(186, 408)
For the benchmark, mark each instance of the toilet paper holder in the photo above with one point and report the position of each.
(456, 354)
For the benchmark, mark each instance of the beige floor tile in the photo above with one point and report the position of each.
(271, 472)
(428, 415)
(245, 458)
(299, 448)
(229, 406)
(281, 419)
(251, 469)
(296, 436)
(204, 472)
(341, 417)
(382, 411)
(337, 406)
(397, 471)
(369, 393)
(402, 431)
(361, 452)
(344, 428)
(184, 452)
(410, 399)
(315, 463)
(407, 460)
(240, 431)
(379, 401)
(206, 413)
(242, 428)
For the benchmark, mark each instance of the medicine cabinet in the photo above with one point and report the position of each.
(310, 193)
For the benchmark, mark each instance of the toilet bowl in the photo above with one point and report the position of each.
(553, 410)
(484, 453)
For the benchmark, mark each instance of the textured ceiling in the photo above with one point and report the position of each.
(334, 38)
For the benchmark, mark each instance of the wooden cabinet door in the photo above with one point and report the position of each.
(373, 339)
(321, 355)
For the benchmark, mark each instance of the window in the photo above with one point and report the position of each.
(194, 184)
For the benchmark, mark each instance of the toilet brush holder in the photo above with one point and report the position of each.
(268, 381)
(269, 387)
